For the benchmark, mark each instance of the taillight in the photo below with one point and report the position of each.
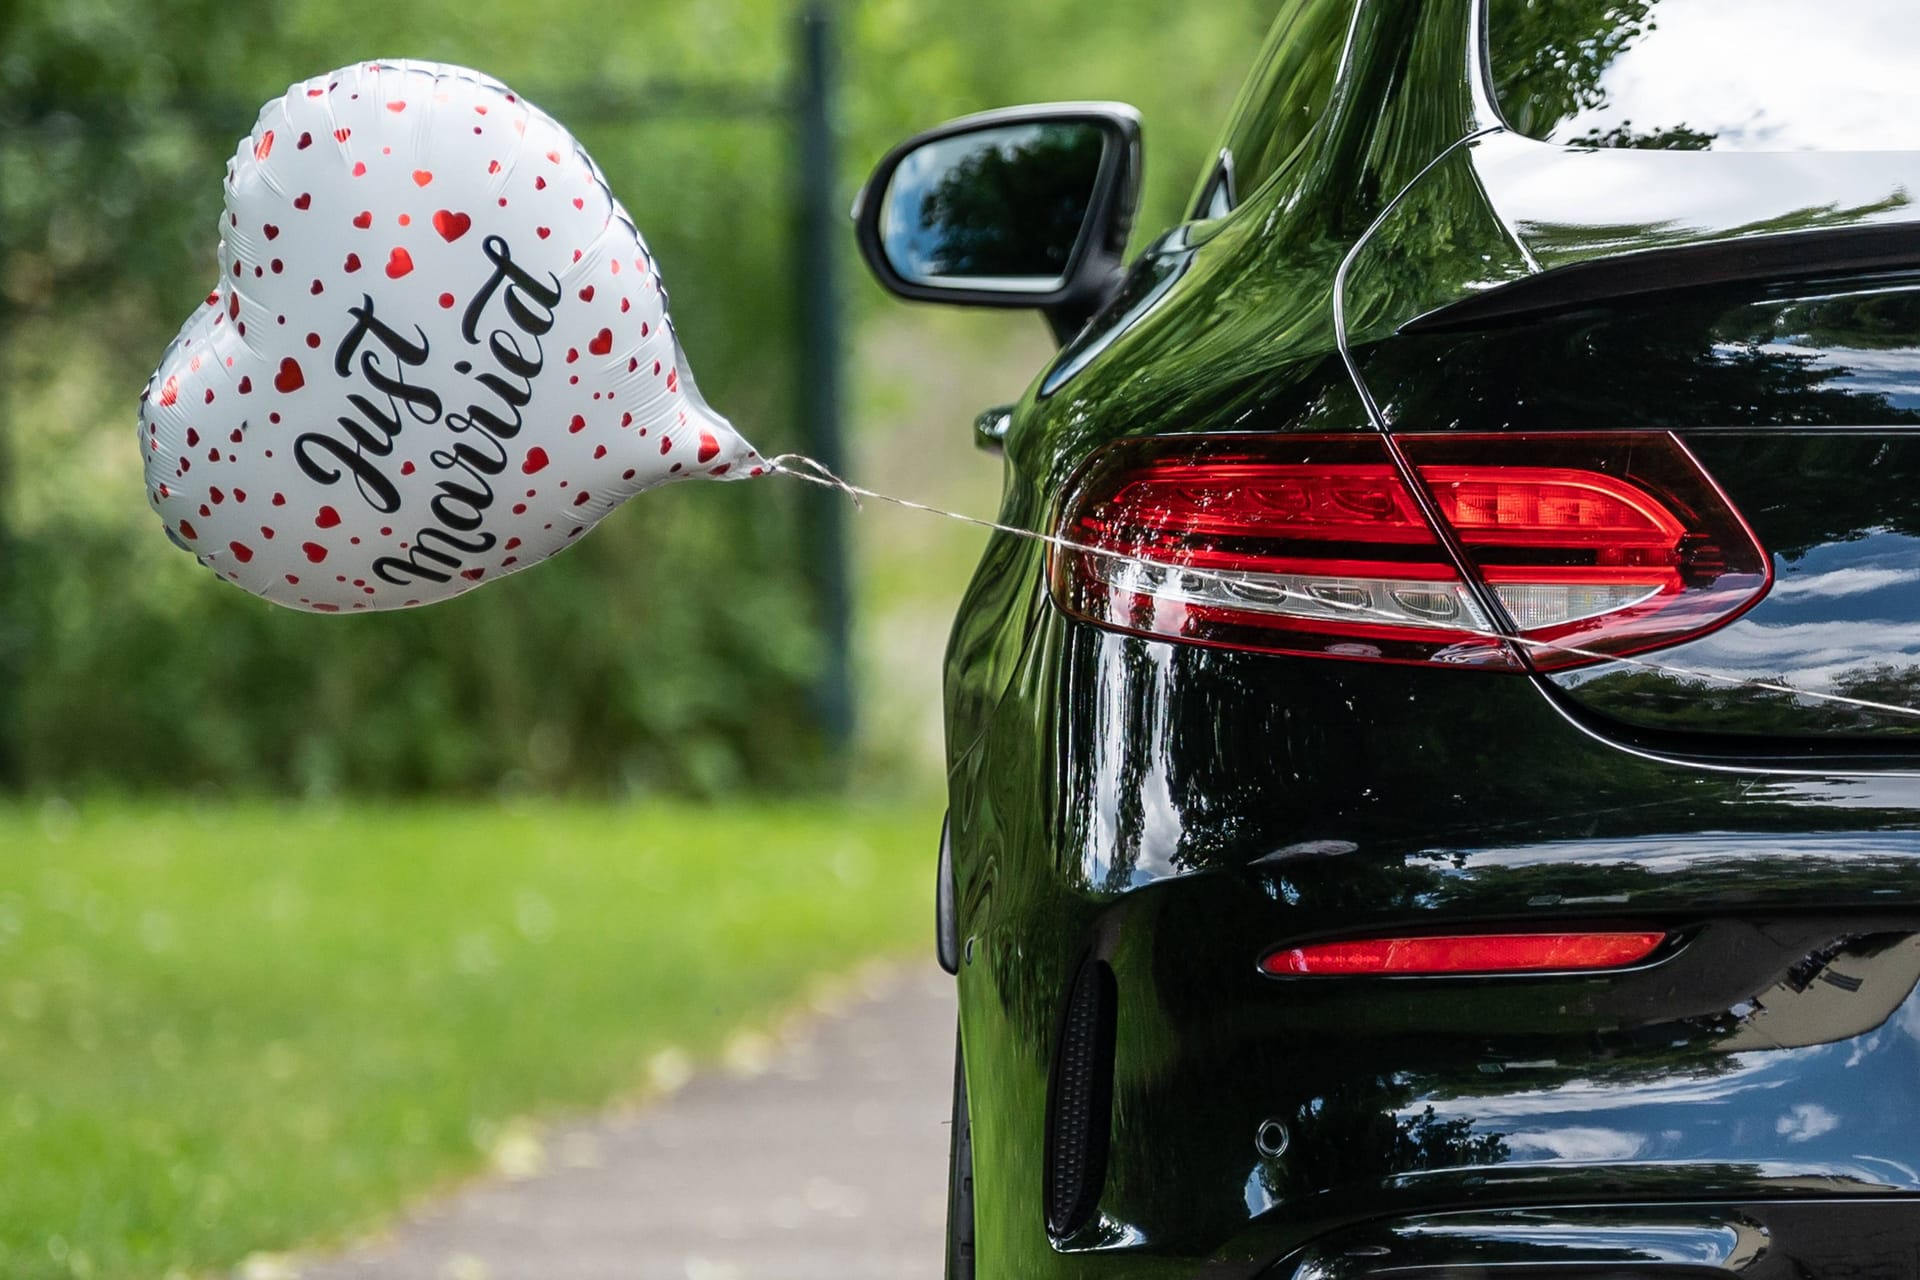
(1589, 544)
(1485, 953)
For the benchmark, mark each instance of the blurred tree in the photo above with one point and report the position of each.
(674, 648)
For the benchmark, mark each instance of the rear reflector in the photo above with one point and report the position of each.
(1467, 954)
(1604, 543)
(1488, 952)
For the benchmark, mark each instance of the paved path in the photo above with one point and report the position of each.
(822, 1154)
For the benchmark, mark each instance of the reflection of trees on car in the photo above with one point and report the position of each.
(1676, 138)
(1555, 53)
(1013, 210)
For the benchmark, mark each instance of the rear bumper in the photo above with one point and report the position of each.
(1774, 1056)
(1263, 803)
(1175, 813)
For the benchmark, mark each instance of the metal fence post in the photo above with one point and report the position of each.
(819, 372)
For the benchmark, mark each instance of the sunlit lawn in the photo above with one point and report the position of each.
(228, 1030)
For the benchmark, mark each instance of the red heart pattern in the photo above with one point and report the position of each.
(394, 438)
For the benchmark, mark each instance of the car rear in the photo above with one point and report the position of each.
(1501, 801)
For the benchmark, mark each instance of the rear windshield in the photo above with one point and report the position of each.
(1710, 75)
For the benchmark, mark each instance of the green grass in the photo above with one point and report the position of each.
(233, 1029)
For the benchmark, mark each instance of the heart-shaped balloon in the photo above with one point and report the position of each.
(438, 351)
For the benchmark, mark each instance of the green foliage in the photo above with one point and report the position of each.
(674, 648)
(231, 1030)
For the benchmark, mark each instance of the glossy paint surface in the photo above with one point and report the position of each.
(1179, 812)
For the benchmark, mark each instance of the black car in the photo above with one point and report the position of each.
(1446, 800)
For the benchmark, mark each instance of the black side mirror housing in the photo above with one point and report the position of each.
(1025, 207)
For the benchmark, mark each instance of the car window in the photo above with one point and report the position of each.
(1287, 94)
(1709, 75)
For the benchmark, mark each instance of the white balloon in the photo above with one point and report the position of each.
(438, 351)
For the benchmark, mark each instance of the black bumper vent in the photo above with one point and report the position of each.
(1080, 1100)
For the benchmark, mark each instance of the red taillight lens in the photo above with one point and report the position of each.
(1603, 543)
(1485, 953)
(1282, 544)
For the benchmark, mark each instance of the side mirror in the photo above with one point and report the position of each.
(1025, 207)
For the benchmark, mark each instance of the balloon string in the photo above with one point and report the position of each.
(801, 467)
